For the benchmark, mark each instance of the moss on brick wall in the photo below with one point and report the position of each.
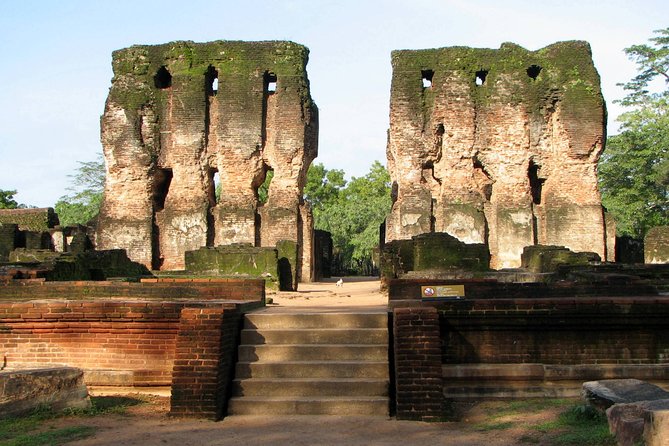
(38, 219)
(235, 260)
(566, 71)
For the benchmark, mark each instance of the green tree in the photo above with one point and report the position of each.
(82, 204)
(7, 200)
(634, 169)
(353, 214)
(322, 189)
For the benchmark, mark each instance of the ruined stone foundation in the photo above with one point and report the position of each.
(182, 117)
(498, 147)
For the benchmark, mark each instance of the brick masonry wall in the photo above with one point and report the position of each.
(497, 146)
(205, 356)
(135, 340)
(147, 289)
(587, 330)
(418, 385)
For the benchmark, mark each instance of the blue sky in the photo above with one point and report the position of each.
(55, 62)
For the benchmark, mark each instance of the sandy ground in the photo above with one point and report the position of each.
(356, 293)
(149, 424)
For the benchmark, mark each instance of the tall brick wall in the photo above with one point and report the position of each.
(498, 147)
(180, 114)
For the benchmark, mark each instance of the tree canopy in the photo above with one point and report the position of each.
(82, 204)
(7, 200)
(352, 212)
(634, 169)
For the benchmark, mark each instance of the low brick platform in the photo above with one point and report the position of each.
(133, 334)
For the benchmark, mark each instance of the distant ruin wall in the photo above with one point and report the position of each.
(656, 245)
(181, 117)
(498, 147)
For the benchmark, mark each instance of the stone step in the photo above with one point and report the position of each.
(312, 352)
(316, 320)
(312, 369)
(308, 406)
(309, 387)
(315, 336)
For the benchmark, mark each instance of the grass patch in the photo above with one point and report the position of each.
(582, 425)
(50, 438)
(572, 425)
(34, 429)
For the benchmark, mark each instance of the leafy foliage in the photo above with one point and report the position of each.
(351, 212)
(7, 200)
(83, 203)
(634, 169)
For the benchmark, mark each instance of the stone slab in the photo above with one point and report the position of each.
(605, 393)
(21, 391)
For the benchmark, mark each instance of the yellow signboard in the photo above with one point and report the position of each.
(431, 292)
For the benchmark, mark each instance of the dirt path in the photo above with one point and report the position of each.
(149, 425)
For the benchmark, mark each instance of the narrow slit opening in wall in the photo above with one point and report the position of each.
(211, 81)
(161, 186)
(270, 83)
(262, 192)
(536, 183)
(214, 186)
(163, 78)
(480, 77)
(427, 76)
(533, 71)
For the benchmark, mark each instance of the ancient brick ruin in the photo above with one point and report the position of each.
(498, 147)
(182, 116)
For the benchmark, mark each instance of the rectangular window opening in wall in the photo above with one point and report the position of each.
(427, 76)
(270, 83)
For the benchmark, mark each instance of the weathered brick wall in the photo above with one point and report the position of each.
(205, 354)
(509, 161)
(187, 289)
(131, 342)
(33, 219)
(418, 386)
(656, 245)
(588, 330)
(181, 113)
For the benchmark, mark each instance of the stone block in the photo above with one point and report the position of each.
(22, 391)
(547, 259)
(236, 260)
(435, 251)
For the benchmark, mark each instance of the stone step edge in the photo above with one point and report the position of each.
(312, 345)
(309, 399)
(311, 380)
(320, 362)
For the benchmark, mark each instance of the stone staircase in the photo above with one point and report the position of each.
(312, 363)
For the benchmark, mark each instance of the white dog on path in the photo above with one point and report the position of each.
(340, 282)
